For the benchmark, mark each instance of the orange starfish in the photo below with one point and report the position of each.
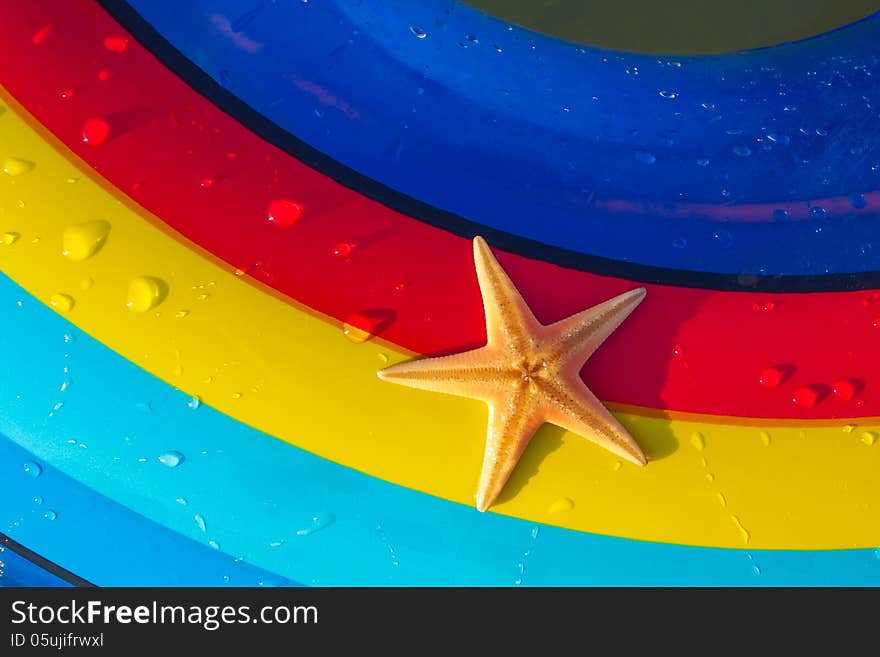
(527, 373)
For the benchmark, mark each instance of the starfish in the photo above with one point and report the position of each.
(527, 373)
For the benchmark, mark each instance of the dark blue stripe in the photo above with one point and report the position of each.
(481, 127)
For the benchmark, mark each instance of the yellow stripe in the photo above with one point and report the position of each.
(278, 367)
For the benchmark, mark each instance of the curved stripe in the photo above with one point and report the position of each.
(539, 138)
(255, 493)
(260, 359)
(92, 537)
(21, 567)
(402, 268)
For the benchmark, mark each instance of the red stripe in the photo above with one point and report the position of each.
(213, 180)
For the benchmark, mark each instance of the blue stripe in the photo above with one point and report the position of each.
(530, 135)
(254, 493)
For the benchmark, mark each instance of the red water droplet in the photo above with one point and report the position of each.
(135, 186)
(771, 377)
(400, 287)
(115, 44)
(877, 322)
(678, 351)
(231, 155)
(42, 34)
(67, 94)
(284, 212)
(104, 75)
(763, 307)
(95, 131)
(343, 249)
(846, 389)
(207, 183)
(805, 396)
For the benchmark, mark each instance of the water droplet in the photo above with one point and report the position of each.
(858, 201)
(9, 238)
(763, 306)
(86, 283)
(765, 439)
(698, 441)
(275, 544)
(849, 428)
(319, 522)
(358, 327)
(702, 162)
(81, 241)
(869, 438)
(200, 522)
(742, 151)
(144, 293)
(818, 212)
(207, 183)
(771, 377)
(845, 389)
(417, 32)
(180, 314)
(42, 34)
(671, 95)
(13, 166)
(38, 500)
(780, 215)
(104, 74)
(776, 138)
(383, 358)
(342, 249)
(678, 351)
(67, 94)
(95, 131)
(645, 157)
(181, 501)
(805, 397)
(115, 44)
(195, 402)
(62, 302)
(33, 469)
(50, 515)
(744, 533)
(214, 544)
(721, 499)
(756, 569)
(561, 505)
(236, 395)
(710, 477)
(284, 212)
(172, 459)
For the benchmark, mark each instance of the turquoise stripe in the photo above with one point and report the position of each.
(254, 492)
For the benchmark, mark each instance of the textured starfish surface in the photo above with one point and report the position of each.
(527, 373)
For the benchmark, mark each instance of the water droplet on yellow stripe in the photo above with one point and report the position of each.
(81, 241)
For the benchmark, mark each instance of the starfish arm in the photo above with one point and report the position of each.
(512, 423)
(576, 338)
(473, 374)
(572, 406)
(509, 321)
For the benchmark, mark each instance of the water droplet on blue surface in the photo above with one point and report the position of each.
(742, 151)
(172, 458)
(858, 201)
(200, 522)
(418, 32)
(50, 515)
(645, 157)
(818, 212)
(319, 522)
(33, 469)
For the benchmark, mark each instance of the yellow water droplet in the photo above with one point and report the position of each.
(355, 334)
(178, 370)
(722, 500)
(70, 181)
(617, 465)
(86, 283)
(202, 297)
(14, 166)
(869, 438)
(849, 428)
(81, 241)
(61, 302)
(9, 238)
(744, 533)
(236, 395)
(144, 293)
(180, 314)
(710, 477)
(383, 358)
(765, 439)
(36, 240)
(560, 505)
(698, 441)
